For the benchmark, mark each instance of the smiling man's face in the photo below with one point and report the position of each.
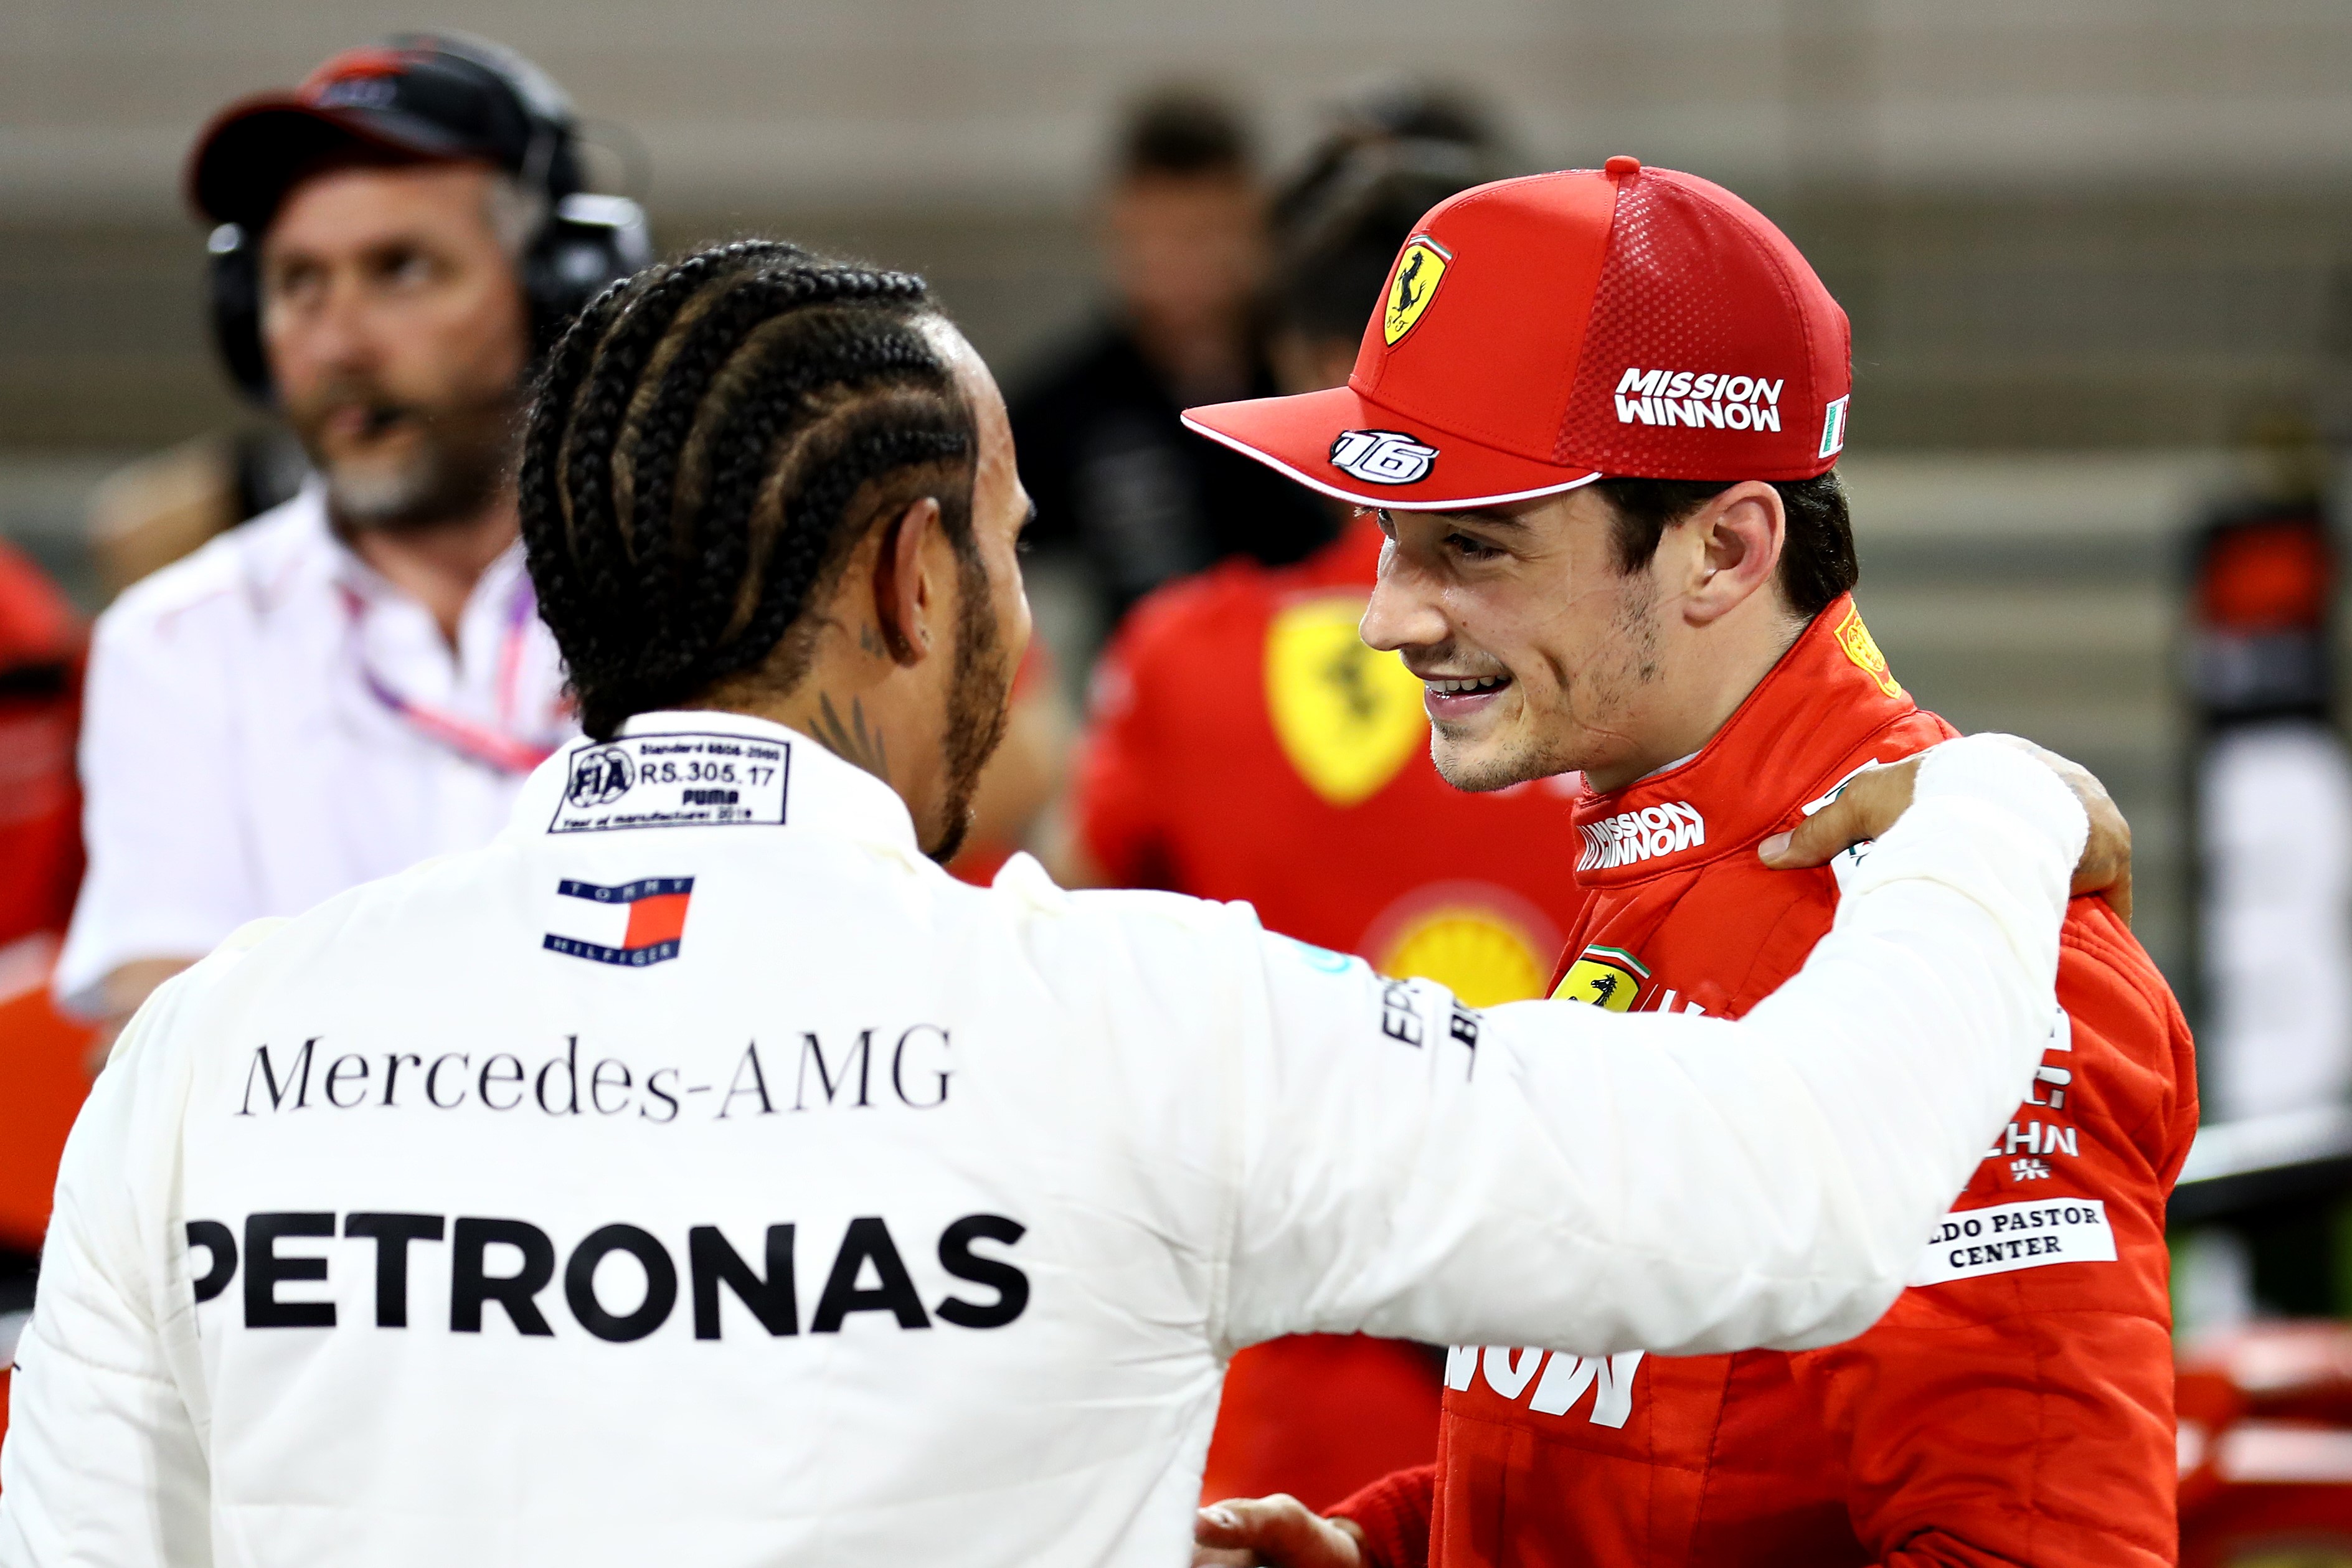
(1537, 650)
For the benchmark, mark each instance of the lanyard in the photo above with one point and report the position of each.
(477, 743)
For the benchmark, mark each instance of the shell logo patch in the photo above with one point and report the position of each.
(1604, 977)
(1862, 649)
(1412, 285)
(1477, 954)
(1348, 717)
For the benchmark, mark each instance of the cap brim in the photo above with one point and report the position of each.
(1296, 436)
(252, 152)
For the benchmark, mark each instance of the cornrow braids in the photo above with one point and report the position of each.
(708, 443)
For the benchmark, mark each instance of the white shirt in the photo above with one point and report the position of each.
(1047, 1160)
(242, 752)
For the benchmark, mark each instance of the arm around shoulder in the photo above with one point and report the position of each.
(1551, 1173)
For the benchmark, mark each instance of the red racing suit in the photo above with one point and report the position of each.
(2014, 1408)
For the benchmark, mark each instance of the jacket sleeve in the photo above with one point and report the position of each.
(1394, 1514)
(2025, 1418)
(1548, 1174)
(103, 1464)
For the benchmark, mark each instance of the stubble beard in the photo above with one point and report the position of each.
(1596, 697)
(461, 463)
(979, 701)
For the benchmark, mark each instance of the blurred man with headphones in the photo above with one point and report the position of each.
(359, 678)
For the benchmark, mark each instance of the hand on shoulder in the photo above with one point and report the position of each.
(1869, 804)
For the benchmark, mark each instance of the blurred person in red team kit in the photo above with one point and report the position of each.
(357, 679)
(41, 650)
(1247, 744)
(1626, 385)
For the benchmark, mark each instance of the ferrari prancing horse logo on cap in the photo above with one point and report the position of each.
(1412, 286)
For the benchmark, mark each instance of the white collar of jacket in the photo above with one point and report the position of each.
(822, 792)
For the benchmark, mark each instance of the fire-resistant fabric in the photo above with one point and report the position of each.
(2015, 1407)
(699, 1174)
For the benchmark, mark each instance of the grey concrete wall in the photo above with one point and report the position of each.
(888, 102)
(2061, 225)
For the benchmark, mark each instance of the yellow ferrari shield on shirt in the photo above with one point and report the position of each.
(1348, 717)
(1604, 977)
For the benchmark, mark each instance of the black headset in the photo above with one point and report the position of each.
(583, 242)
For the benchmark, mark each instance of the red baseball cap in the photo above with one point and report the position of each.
(1539, 333)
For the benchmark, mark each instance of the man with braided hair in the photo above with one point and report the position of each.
(843, 408)
(897, 1218)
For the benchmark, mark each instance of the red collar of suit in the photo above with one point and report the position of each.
(1827, 695)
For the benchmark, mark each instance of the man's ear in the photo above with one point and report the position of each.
(1738, 535)
(903, 592)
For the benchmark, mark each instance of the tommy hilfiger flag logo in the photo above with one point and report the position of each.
(657, 919)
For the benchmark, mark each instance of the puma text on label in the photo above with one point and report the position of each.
(675, 780)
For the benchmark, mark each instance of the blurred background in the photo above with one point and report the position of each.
(2087, 248)
(2097, 255)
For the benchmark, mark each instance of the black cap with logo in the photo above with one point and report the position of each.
(416, 96)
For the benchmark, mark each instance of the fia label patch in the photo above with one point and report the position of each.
(1970, 1243)
(675, 780)
(1418, 270)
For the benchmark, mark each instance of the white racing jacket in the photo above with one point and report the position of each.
(698, 1174)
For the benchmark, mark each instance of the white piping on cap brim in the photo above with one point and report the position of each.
(1388, 502)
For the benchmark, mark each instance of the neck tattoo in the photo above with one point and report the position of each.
(852, 743)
